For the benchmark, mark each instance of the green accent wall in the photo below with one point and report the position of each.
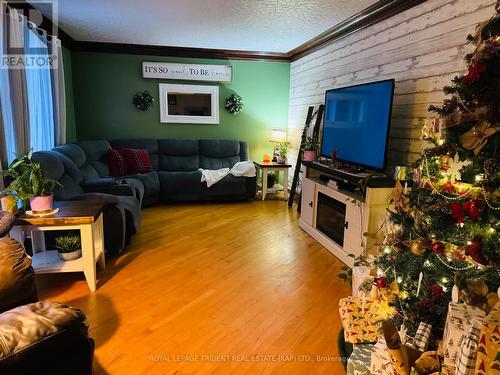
(70, 106)
(104, 85)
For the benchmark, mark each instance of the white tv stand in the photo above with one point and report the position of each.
(337, 218)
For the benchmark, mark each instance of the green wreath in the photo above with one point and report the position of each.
(234, 104)
(143, 101)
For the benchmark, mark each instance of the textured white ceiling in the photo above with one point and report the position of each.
(254, 25)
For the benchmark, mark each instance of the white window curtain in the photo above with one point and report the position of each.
(59, 93)
(32, 98)
(13, 95)
(39, 89)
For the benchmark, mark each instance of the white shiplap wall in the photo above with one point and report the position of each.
(421, 48)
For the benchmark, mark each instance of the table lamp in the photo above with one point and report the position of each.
(277, 136)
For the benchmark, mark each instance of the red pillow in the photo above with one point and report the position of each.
(117, 163)
(137, 160)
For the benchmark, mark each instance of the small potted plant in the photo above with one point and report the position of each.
(271, 179)
(69, 247)
(283, 152)
(8, 202)
(311, 147)
(30, 182)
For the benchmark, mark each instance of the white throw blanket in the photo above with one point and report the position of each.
(240, 169)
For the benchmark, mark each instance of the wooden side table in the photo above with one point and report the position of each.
(264, 167)
(85, 216)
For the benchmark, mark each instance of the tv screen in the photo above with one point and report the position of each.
(356, 123)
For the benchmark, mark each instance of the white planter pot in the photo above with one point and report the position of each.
(70, 256)
(281, 160)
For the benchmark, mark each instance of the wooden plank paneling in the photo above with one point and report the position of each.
(421, 48)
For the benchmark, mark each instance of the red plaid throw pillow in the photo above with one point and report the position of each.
(117, 163)
(137, 160)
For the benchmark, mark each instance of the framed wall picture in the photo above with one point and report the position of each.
(189, 104)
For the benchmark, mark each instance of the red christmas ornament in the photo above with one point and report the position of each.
(436, 290)
(472, 209)
(474, 251)
(382, 282)
(425, 302)
(474, 73)
(457, 212)
(438, 247)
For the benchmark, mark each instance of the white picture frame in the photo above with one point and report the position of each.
(166, 117)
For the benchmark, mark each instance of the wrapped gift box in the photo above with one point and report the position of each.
(488, 354)
(380, 360)
(361, 319)
(359, 361)
(421, 339)
(459, 320)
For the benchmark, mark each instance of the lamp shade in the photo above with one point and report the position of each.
(278, 135)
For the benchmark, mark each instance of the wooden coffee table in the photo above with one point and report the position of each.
(269, 166)
(85, 216)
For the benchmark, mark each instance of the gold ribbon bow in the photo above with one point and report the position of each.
(478, 135)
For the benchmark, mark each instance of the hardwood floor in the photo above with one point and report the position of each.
(213, 289)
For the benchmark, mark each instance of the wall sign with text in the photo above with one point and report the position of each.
(192, 72)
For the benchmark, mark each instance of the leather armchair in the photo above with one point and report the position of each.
(36, 337)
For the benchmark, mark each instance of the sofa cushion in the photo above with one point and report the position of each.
(151, 184)
(228, 186)
(52, 163)
(180, 182)
(149, 144)
(219, 153)
(70, 167)
(96, 153)
(137, 160)
(73, 152)
(26, 325)
(178, 155)
(53, 166)
(117, 163)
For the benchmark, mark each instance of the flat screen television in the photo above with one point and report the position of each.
(356, 123)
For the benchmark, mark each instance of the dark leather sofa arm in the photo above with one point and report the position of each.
(107, 186)
(59, 342)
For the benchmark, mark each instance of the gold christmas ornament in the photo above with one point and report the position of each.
(445, 162)
(420, 246)
(477, 137)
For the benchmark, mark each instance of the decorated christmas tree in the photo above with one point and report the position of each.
(442, 240)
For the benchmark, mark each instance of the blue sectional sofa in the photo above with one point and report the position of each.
(175, 176)
(82, 169)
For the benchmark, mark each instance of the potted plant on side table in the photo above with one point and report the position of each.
(311, 147)
(271, 179)
(8, 202)
(29, 182)
(283, 152)
(69, 247)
